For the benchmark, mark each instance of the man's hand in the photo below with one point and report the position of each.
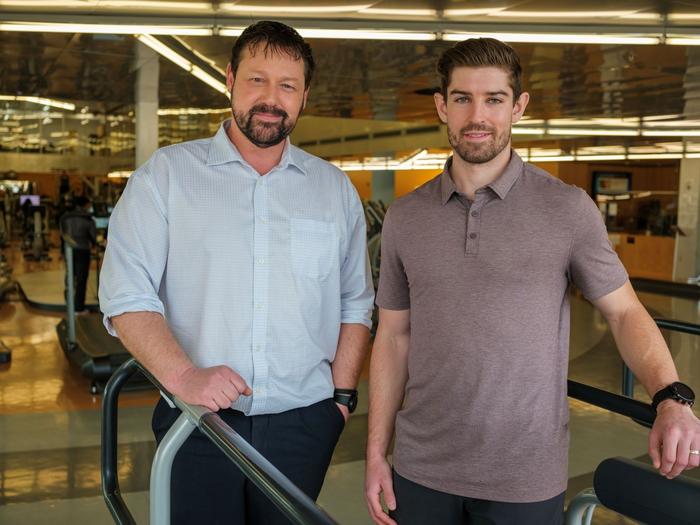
(675, 433)
(216, 387)
(377, 482)
(344, 410)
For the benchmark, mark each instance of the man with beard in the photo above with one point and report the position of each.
(474, 323)
(237, 273)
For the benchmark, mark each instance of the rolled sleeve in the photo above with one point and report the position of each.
(136, 251)
(356, 288)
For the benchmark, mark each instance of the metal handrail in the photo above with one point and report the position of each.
(672, 325)
(288, 498)
(617, 403)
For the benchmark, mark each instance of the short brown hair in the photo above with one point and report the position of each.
(481, 52)
(275, 37)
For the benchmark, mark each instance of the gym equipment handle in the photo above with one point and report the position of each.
(291, 501)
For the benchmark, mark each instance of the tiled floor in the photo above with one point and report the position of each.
(49, 422)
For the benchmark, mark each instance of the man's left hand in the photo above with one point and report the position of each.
(676, 432)
(344, 410)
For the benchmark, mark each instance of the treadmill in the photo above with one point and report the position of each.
(86, 342)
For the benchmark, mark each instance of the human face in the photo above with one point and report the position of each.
(479, 111)
(267, 95)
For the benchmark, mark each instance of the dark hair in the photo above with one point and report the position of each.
(481, 52)
(82, 201)
(275, 37)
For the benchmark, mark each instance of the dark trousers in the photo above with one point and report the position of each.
(81, 271)
(207, 488)
(419, 505)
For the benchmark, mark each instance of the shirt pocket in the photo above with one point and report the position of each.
(314, 248)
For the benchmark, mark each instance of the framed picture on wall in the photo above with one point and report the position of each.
(611, 183)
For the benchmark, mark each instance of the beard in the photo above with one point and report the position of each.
(482, 152)
(261, 133)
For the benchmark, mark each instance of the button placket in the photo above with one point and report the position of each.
(261, 270)
(474, 224)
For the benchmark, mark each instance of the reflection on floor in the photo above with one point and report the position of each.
(49, 423)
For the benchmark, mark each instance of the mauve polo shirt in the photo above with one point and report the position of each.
(485, 413)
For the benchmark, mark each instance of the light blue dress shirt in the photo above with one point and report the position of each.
(254, 272)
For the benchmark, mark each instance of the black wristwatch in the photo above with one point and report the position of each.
(347, 397)
(677, 391)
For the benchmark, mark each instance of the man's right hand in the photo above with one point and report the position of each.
(215, 387)
(377, 482)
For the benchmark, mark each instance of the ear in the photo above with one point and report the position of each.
(229, 78)
(441, 106)
(519, 106)
(306, 95)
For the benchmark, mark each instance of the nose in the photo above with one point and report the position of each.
(477, 112)
(269, 95)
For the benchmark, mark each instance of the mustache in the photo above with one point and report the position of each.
(476, 127)
(271, 110)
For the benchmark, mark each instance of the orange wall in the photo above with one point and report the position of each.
(362, 180)
(407, 181)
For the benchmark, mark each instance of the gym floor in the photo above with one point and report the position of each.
(50, 423)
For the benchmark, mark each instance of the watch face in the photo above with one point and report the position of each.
(352, 404)
(684, 391)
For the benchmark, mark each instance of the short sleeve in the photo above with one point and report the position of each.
(393, 291)
(594, 267)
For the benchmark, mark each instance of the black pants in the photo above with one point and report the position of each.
(207, 488)
(81, 271)
(419, 505)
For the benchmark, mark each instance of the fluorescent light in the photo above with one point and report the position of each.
(593, 132)
(553, 158)
(398, 12)
(365, 34)
(473, 12)
(671, 133)
(111, 29)
(527, 131)
(191, 111)
(41, 101)
(561, 14)
(684, 16)
(119, 174)
(149, 4)
(208, 79)
(556, 38)
(642, 156)
(309, 9)
(355, 34)
(584, 158)
(231, 31)
(683, 41)
(165, 51)
(181, 61)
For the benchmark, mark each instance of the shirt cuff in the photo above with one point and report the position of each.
(126, 306)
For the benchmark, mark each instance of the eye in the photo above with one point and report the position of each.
(257, 80)
(494, 100)
(288, 87)
(461, 100)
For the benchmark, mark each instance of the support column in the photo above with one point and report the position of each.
(146, 98)
(383, 186)
(687, 254)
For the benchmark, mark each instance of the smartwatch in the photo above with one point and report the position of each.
(347, 397)
(677, 391)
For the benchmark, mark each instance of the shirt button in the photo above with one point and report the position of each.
(258, 348)
(259, 390)
(259, 306)
(475, 214)
(472, 235)
(261, 261)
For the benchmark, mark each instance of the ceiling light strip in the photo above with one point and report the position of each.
(110, 29)
(557, 38)
(41, 101)
(181, 61)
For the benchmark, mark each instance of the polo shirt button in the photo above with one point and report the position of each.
(475, 214)
(472, 235)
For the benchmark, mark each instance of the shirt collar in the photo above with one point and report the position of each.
(501, 186)
(222, 151)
